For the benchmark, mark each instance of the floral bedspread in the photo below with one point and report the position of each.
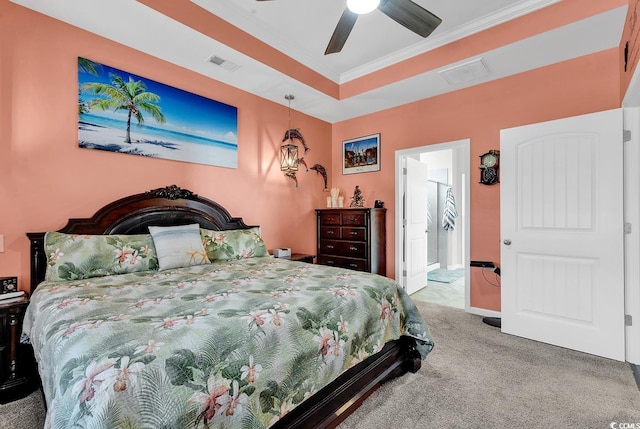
(224, 345)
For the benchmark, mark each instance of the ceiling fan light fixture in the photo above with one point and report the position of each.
(362, 6)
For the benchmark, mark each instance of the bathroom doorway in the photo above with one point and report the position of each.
(446, 273)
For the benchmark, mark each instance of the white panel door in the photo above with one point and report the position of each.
(416, 225)
(561, 222)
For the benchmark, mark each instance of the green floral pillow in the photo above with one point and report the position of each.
(72, 256)
(233, 244)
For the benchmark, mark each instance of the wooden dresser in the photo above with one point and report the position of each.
(352, 238)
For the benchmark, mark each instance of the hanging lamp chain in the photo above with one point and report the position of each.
(289, 97)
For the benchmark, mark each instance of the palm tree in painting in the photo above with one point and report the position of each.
(88, 66)
(91, 67)
(131, 96)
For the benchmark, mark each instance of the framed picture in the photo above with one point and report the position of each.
(361, 155)
(125, 113)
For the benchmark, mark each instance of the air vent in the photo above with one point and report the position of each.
(464, 73)
(227, 65)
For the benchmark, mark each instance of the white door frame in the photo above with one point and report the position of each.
(631, 104)
(400, 155)
(632, 239)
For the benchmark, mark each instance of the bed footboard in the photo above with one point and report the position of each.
(335, 402)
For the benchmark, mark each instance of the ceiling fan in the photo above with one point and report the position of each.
(405, 12)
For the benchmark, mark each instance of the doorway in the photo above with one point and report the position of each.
(444, 274)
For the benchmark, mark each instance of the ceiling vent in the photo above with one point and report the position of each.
(464, 73)
(227, 65)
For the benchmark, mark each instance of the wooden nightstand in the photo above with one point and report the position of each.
(302, 257)
(17, 365)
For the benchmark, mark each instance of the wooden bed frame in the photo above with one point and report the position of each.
(175, 206)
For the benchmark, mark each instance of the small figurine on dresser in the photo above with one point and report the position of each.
(357, 200)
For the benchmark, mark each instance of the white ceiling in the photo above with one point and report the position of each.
(301, 29)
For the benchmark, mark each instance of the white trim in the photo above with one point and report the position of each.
(632, 96)
(483, 312)
(400, 155)
(632, 240)
(631, 103)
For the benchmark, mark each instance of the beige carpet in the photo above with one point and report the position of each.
(476, 377)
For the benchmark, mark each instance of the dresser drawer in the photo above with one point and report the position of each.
(335, 261)
(330, 232)
(352, 238)
(357, 234)
(351, 249)
(330, 219)
(353, 219)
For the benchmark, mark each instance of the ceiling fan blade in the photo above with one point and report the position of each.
(342, 31)
(410, 15)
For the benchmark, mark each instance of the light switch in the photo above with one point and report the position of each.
(1, 243)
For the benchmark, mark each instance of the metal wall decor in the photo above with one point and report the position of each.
(289, 153)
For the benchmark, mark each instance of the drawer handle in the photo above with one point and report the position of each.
(331, 262)
(329, 246)
(331, 232)
(353, 248)
(353, 233)
(353, 265)
(353, 219)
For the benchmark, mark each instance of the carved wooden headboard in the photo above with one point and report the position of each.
(134, 214)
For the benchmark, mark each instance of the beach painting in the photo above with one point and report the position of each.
(121, 112)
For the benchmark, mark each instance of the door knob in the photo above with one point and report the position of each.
(507, 242)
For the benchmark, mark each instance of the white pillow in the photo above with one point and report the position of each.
(178, 246)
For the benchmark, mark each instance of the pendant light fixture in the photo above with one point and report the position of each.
(289, 162)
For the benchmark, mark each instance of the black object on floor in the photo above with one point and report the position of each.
(493, 321)
(483, 264)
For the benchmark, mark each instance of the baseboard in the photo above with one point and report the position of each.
(483, 312)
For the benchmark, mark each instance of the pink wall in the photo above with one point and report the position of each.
(45, 178)
(579, 86)
(630, 34)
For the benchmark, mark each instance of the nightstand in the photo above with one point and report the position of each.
(302, 257)
(17, 365)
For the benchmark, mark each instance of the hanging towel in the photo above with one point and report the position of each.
(450, 212)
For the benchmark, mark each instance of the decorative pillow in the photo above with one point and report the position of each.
(72, 256)
(233, 244)
(178, 246)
